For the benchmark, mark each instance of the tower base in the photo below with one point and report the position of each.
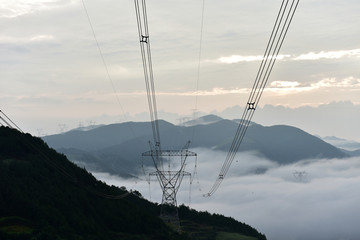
(170, 215)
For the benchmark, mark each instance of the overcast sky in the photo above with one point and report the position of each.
(51, 71)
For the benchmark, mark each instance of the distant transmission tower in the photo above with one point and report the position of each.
(169, 179)
(300, 176)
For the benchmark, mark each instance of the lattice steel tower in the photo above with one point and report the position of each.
(169, 180)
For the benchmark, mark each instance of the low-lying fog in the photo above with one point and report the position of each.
(312, 199)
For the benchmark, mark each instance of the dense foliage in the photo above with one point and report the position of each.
(217, 222)
(45, 196)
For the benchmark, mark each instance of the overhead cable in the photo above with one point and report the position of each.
(279, 31)
(105, 64)
(198, 66)
(48, 159)
(144, 40)
(8, 122)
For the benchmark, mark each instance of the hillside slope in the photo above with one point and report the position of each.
(45, 196)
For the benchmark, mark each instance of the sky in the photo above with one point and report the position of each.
(53, 77)
(315, 199)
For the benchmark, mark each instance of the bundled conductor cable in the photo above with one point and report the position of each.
(278, 34)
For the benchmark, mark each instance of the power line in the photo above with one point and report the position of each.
(6, 120)
(169, 180)
(105, 64)
(48, 159)
(279, 31)
(144, 39)
(199, 65)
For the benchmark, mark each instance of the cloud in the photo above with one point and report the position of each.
(329, 54)
(304, 57)
(40, 38)
(238, 58)
(291, 87)
(212, 92)
(25, 40)
(348, 82)
(322, 206)
(284, 84)
(279, 87)
(56, 35)
(16, 8)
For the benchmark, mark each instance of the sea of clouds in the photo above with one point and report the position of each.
(314, 199)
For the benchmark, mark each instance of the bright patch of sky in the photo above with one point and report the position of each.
(286, 87)
(306, 56)
(329, 55)
(16, 8)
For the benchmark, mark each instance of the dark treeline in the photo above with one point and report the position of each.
(219, 222)
(45, 196)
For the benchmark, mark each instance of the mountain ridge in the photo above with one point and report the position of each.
(279, 143)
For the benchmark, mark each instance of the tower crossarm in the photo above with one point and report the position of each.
(170, 153)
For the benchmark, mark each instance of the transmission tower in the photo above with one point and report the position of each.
(300, 176)
(169, 179)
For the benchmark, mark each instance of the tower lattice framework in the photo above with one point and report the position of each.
(169, 179)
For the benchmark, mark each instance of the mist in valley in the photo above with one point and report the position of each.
(311, 199)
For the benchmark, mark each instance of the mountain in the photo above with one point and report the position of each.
(117, 148)
(45, 196)
(342, 143)
(286, 144)
(203, 120)
(103, 136)
(340, 117)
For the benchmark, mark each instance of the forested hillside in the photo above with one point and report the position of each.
(45, 196)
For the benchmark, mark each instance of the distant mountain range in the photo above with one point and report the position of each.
(342, 143)
(117, 148)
